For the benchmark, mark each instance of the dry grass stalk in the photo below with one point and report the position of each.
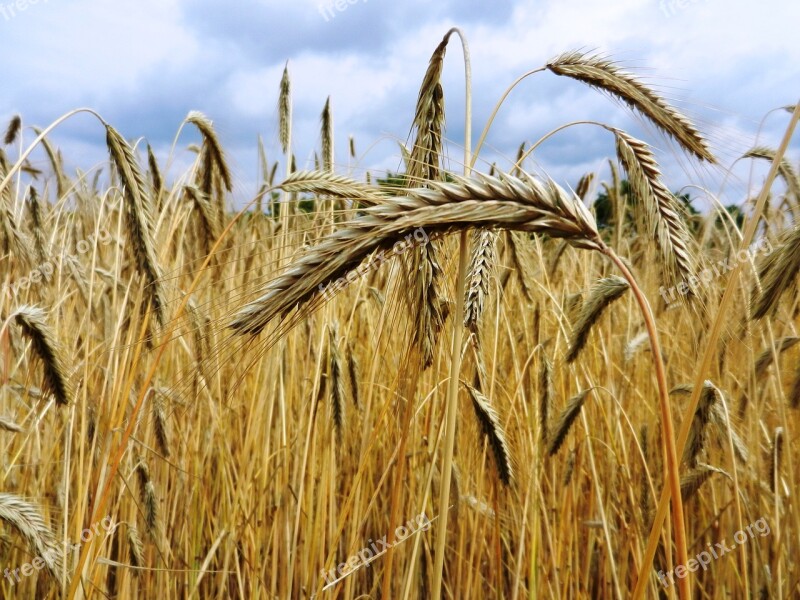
(565, 420)
(479, 276)
(507, 202)
(794, 394)
(56, 163)
(605, 75)
(138, 219)
(492, 429)
(777, 274)
(661, 211)
(522, 257)
(766, 357)
(723, 427)
(33, 323)
(25, 518)
(13, 129)
(600, 297)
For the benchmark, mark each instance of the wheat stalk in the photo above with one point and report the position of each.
(785, 168)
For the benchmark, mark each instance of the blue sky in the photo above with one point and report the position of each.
(145, 64)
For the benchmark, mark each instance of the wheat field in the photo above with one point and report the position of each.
(461, 384)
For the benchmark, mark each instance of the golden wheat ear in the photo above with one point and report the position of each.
(601, 296)
(565, 421)
(492, 430)
(25, 518)
(608, 77)
(777, 274)
(33, 323)
(13, 129)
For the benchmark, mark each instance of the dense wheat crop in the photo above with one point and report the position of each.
(372, 386)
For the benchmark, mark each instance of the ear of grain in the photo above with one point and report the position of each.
(785, 169)
(765, 359)
(698, 431)
(606, 76)
(661, 211)
(584, 186)
(522, 257)
(565, 420)
(510, 203)
(330, 184)
(13, 129)
(777, 274)
(545, 395)
(138, 219)
(285, 111)
(492, 429)
(337, 376)
(136, 549)
(723, 428)
(25, 518)
(481, 267)
(354, 372)
(775, 460)
(33, 323)
(327, 137)
(155, 172)
(693, 480)
(600, 297)
(147, 494)
(160, 423)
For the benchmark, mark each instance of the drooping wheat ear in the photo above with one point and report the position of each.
(723, 427)
(765, 359)
(699, 430)
(33, 323)
(136, 549)
(565, 420)
(775, 459)
(794, 394)
(14, 127)
(693, 480)
(210, 226)
(777, 274)
(492, 429)
(785, 168)
(600, 297)
(636, 343)
(26, 519)
(13, 240)
(606, 76)
(327, 137)
(55, 161)
(155, 172)
(9, 425)
(37, 224)
(481, 267)
(337, 382)
(661, 210)
(160, 422)
(545, 394)
(584, 185)
(138, 218)
(285, 110)
(572, 303)
(211, 141)
(320, 182)
(506, 203)
(354, 371)
(147, 494)
(519, 245)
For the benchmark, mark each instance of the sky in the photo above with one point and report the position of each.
(145, 64)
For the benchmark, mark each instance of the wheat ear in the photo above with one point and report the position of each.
(507, 202)
(600, 297)
(777, 274)
(26, 519)
(606, 76)
(33, 323)
(565, 420)
(13, 129)
(492, 429)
